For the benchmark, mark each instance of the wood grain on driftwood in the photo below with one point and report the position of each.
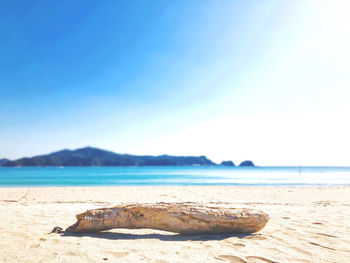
(184, 218)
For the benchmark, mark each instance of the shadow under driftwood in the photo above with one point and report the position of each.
(162, 237)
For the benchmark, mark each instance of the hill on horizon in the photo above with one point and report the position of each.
(3, 161)
(90, 156)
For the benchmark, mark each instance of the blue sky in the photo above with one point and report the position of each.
(261, 80)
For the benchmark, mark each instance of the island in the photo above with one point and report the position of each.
(227, 163)
(247, 163)
(90, 156)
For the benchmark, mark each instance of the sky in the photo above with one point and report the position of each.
(267, 80)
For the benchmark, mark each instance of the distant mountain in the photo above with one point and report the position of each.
(247, 164)
(227, 163)
(96, 157)
(3, 161)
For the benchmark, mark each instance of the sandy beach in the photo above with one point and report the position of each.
(307, 224)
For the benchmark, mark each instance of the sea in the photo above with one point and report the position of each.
(173, 176)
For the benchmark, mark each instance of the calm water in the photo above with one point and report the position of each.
(98, 176)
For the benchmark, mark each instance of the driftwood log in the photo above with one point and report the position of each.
(184, 218)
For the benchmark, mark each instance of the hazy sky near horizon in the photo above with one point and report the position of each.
(233, 80)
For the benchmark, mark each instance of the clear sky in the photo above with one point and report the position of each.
(233, 80)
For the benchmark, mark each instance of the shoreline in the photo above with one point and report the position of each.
(175, 185)
(307, 224)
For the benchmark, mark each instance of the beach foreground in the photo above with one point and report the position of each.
(307, 224)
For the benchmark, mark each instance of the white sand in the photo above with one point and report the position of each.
(308, 224)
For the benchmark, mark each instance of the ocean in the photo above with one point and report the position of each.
(133, 176)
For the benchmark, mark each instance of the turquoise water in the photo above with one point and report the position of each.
(103, 176)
